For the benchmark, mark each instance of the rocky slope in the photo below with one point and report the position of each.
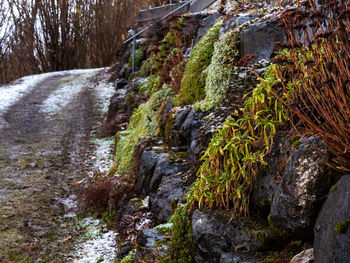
(208, 167)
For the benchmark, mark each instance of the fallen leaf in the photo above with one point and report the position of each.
(32, 248)
(67, 238)
(76, 183)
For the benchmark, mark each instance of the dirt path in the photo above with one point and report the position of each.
(44, 148)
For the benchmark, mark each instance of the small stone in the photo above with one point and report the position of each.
(306, 256)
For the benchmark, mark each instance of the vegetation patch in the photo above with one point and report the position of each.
(150, 85)
(320, 75)
(342, 226)
(237, 151)
(181, 248)
(139, 56)
(143, 122)
(220, 70)
(193, 81)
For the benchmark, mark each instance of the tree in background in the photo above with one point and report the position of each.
(50, 35)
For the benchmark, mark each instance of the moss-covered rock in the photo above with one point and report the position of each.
(193, 81)
(143, 122)
(219, 72)
(181, 248)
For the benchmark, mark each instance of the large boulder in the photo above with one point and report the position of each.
(217, 240)
(302, 189)
(154, 166)
(235, 22)
(332, 231)
(259, 39)
(171, 190)
(148, 162)
(266, 183)
(184, 128)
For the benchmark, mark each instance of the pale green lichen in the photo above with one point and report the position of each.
(143, 122)
(150, 85)
(193, 81)
(220, 70)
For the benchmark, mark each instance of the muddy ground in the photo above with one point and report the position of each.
(44, 157)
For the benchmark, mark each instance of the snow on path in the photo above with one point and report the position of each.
(11, 93)
(70, 86)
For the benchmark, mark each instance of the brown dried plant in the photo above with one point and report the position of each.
(318, 69)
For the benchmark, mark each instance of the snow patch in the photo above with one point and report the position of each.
(11, 93)
(100, 247)
(104, 154)
(68, 90)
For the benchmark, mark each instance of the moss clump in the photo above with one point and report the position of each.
(193, 81)
(143, 122)
(341, 227)
(150, 85)
(181, 248)
(139, 55)
(220, 70)
(129, 258)
(164, 228)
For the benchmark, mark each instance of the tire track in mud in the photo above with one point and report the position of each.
(41, 156)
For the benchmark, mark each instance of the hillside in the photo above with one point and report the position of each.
(230, 136)
(220, 135)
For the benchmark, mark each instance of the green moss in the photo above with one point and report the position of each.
(143, 122)
(164, 228)
(150, 85)
(193, 81)
(289, 181)
(341, 227)
(220, 70)
(181, 247)
(334, 188)
(129, 258)
(146, 68)
(139, 55)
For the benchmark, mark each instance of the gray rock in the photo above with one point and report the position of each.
(148, 237)
(164, 168)
(146, 240)
(125, 71)
(306, 256)
(331, 245)
(259, 39)
(120, 83)
(235, 21)
(215, 240)
(166, 110)
(171, 189)
(185, 127)
(205, 25)
(147, 166)
(265, 186)
(302, 189)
